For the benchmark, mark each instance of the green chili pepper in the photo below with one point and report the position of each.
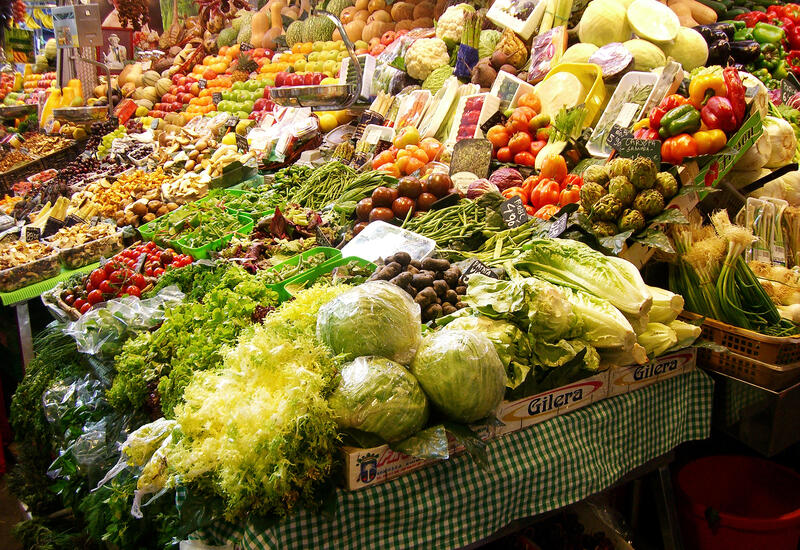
(680, 120)
(764, 33)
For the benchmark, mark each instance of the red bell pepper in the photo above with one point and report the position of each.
(546, 192)
(645, 133)
(736, 93)
(667, 104)
(718, 114)
(751, 18)
(569, 195)
(793, 60)
(792, 11)
(775, 11)
(793, 37)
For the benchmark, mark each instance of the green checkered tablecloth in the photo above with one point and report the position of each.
(547, 466)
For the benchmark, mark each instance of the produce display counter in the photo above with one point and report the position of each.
(454, 503)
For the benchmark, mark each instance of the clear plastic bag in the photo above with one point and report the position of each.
(102, 331)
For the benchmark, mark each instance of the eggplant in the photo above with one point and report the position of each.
(745, 51)
(705, 32)
(718, 53)
(728, 28)
(717, 35)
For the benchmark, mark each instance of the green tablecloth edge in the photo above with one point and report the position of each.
(37, 289)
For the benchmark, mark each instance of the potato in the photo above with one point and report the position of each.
(139, 208)
(172, 206)
(162, 211)
(154, 205)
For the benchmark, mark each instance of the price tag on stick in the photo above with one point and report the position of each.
(632, 148)
(513, 212)
(478, 266)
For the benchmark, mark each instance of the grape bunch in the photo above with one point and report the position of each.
(105, 144)
(18, 8)
(75, 171)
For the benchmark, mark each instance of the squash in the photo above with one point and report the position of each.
(701, 13)
(402, 10)
(375, 30)
(363, 15)
(375, 5)
(259, 24)
(163, 85)
(404, 25)
(380, 15)
(276, 29)
(150, 78)
(684, 13)
(423, 23)
(355, 29)
(347, 14)
(131, 73)
(423, 10)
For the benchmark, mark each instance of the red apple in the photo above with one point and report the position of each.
(266, 93)
(308, 79)
(176, 106)
(318, 78)
(280, 79)
(268, 53)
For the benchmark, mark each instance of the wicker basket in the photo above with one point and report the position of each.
(772, 350)
(772, 377)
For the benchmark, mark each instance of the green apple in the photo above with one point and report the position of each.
(242, 114)
(360, 45)
(330, 67)
(313, 56)
(318, 46)
(247, 106)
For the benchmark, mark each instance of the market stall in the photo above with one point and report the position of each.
(396, 274)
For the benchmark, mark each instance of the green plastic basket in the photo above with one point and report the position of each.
(254, 215)
(329, 253)
(203, 252)
(307, 278)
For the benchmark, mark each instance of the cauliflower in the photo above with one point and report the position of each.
(451, 24)
(425, 55)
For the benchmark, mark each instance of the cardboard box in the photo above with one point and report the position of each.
(516, 415)
(712, 172)
(368, 467)
(633, 377)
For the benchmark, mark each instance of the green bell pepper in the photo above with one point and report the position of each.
(764, 33)
(742, 34)
(680, 120)
(780, 72)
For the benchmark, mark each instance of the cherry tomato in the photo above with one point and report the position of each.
(79, 303)
(158, 272)
(69, 299)
(504, 154)
(537, 146)
(148, 271)
(95, 297)
(117, 277)
(138, 280)
(106, 288)
(89, 286)
(84, 308)
(109, 268)
(133, 290)
(97, 277)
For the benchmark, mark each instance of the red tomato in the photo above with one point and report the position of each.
(138, 280)
(518, 122)
(530, 99)
(498, 136)
(158, 272)
(572, 179)
(109, 268)
(117, 277)
(526, 111)
(95, 297)
(106, 288)
(504, 154)
(79, 303)
(148, 271)
(569, 195)
(89, 286)
(525, 158)
(537, 146)
(530, 183)
(84, 308)
(555, 168)
(133, 290)
(97, 277)
(519, 142)
(516, 192)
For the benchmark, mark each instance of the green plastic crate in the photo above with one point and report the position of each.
(255, 215)
(307, 278)
(203, 252)
(330, 255)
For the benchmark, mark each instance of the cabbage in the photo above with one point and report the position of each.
(487, 42)
(510, 343)
(574, 264)
(578, 53)
(689, 49)
(564, 351)
(539, 307)
(461, 373)
(437, 78)
(376, 318)
(646, 55)
(604, 325)
(604, 22)
(657, 339)
(653, 21)
(381, 397)
(685, 332)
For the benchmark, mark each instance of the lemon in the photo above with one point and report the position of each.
(341, 116)
(327, 121)
(229, 139)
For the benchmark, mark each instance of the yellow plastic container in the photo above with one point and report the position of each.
(591, 76)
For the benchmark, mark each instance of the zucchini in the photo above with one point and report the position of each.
(757, 7)
(733, 12)
(718, 7)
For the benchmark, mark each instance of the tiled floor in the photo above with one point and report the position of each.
(10, 514)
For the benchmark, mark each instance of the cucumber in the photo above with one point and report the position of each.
(718, 7)
(733, 12)
(756, 7)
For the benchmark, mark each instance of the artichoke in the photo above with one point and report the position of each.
(666, 184)
(607, 209)
(623, 189)
(643, 173)
(595, 174)
(590, 194)
(650, 202)
(632, 219)
(619, 167)
(604, 229)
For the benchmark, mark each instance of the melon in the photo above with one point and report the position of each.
(149, 92)
(336, 6)
(146, 103)
(226, 37)
(244, 35)
(150, 78)
(294, 33)
(50, 49)
(163, 85)
(318, 29)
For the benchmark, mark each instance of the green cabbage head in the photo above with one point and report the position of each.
(381, 397)
(461, 373)
(376, 318)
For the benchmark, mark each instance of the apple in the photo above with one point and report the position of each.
(269, 54)
(308, 79)
(260, 104)
(317, 79)
(280, 79)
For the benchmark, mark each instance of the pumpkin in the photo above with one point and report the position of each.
(402, 10)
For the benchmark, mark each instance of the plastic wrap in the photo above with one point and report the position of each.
(461, 373)
(376, 318)
(381, 397)
(154, 477)
(102, 331)
(62, 398)
(140, 446)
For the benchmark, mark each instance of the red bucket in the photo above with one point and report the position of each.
(739, 503)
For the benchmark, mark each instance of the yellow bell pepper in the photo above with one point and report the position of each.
(710, 141)
(702, 87)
